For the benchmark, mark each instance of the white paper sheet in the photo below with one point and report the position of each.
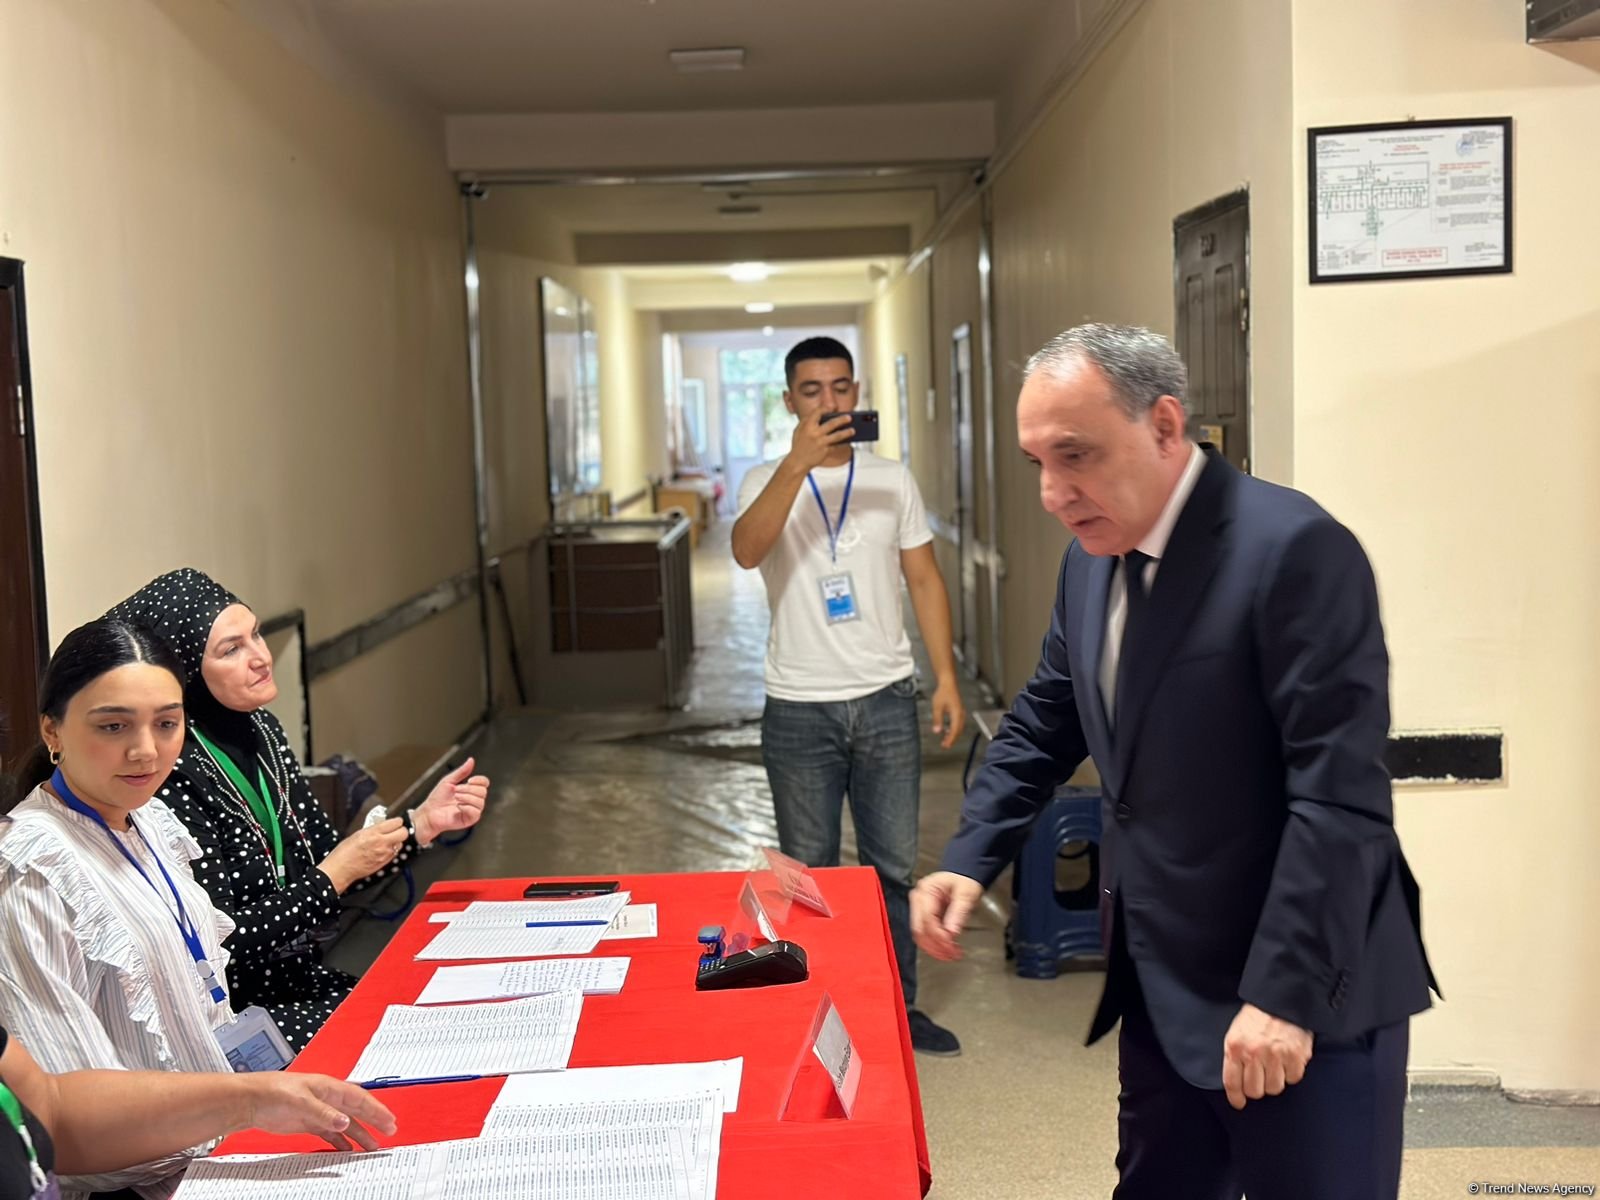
(500, 981)
(653, 1082)
(698, 1118)
(401, 1173)
(414, 1042)
(619, 1164)
(635, 921)
(581, 908)
(466, 938)
(625, 1164)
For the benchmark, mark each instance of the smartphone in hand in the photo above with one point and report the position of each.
(864, 425)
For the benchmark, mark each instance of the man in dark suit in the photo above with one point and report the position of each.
(1216, 648)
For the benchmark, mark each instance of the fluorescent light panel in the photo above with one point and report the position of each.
(730, 58)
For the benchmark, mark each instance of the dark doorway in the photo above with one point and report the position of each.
(23, 645)
(1211, 248)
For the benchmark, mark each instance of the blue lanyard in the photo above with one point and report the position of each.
(844, 507)
(191, 936)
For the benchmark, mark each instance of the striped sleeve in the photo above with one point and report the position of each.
(44, 983)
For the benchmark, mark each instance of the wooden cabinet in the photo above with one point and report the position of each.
(621, 611)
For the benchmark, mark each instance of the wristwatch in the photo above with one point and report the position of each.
(411, 827)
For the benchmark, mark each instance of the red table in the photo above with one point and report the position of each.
(881, 1152)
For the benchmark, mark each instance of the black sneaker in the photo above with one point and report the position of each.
(928, 1038)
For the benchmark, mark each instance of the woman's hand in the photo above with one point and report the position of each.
(288, 1102)
(456, 802)
(364, 852)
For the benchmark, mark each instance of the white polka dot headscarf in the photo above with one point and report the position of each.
(180, 607)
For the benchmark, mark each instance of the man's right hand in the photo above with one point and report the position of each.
(940, 905)
(815, 436)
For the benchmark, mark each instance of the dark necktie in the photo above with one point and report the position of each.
(1133, 565)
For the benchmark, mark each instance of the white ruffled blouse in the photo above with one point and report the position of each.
(93, 970)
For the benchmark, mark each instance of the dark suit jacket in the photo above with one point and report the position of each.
(1249, 851)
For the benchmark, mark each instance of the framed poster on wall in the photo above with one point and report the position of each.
(1409, 199)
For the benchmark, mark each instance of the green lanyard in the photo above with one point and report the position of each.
(13, 1109)
(259, 800)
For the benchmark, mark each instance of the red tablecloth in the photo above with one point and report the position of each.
(880, 1152)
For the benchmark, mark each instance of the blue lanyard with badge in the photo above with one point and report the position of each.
(252, 1041)
(838, 589)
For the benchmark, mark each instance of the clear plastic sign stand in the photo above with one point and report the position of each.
(763, 906)
(796, 881)
(826, 1078)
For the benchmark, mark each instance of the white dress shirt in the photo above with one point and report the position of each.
(1155, 545)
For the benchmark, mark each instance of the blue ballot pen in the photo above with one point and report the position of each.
(389, 1081)
(552, 924)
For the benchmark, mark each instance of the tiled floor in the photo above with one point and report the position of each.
(1026, 1111)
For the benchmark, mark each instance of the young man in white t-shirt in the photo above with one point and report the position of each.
(834, 530)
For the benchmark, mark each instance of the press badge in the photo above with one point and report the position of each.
(839, 598)
(252, 1042)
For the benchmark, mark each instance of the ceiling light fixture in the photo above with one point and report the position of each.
(749, 272)
(767, 331)
(730, 58)
(756, 309)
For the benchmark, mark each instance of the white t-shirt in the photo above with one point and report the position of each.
(810, 658)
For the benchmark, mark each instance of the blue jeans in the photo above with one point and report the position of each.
(870, 749)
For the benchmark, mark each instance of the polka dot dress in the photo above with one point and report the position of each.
(277, 960)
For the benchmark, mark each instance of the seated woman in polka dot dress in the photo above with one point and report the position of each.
(273, 861)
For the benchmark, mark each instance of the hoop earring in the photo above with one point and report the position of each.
(55, 758)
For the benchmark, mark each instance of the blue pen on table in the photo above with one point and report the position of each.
(552, 924)
(390, 1081)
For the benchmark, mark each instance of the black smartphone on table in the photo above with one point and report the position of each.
(555, 889)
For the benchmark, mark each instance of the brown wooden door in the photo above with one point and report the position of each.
(22, 631)
(1211, 274)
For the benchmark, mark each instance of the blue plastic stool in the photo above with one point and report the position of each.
(1049, 926)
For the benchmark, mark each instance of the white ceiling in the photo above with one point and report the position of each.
(800, 204)
(566, 56)
(695, 206)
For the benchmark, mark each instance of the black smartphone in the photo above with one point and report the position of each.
(556, 888)
(865, 425)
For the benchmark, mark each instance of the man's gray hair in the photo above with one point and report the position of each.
(1140, 365)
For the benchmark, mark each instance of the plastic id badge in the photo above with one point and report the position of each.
(839, 598)
(253, 1043)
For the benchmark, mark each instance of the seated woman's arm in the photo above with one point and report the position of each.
(269, 920)
(87, 1112)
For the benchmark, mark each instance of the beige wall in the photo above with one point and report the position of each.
(1454, 425)
(633, 419)
(1083, 231)
(897, 323)
(247, 335)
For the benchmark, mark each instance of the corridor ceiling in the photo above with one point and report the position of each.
(570, 56)
(852, 125)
